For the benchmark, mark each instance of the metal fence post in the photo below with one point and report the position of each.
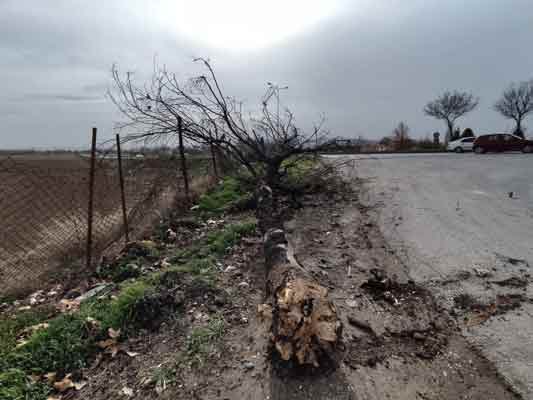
(183, 160)
(90, 206)
(122, 193)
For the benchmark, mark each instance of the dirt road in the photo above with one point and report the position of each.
(454, 228)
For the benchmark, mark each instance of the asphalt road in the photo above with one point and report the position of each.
(445, 214)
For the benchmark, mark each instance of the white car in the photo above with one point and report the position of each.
(460, 145)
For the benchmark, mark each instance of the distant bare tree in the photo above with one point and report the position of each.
(516, 103)
(400, 136)
(260, 143)
(449, 107)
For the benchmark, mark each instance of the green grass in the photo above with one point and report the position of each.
(126, 269)
(12, 327)
(201, 340)
(218, 242)
(298, 169)
(69, 342)
(218, 200)
(163, 376)
(184, 255)
(64, 346)
(119, 313)
(16, 385)
(198, 268)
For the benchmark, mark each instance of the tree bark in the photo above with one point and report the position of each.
(304, 327)
(450, 132)
(518, 130)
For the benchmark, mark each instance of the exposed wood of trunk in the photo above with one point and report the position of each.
(305, 327)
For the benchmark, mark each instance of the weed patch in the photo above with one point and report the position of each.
(12, 327)
(222, 197)
(201, 341)
(122, 312)
(219, 242)
(15, 385)
(126, 269)
(64, 346)
(298, 168)
(162, 377)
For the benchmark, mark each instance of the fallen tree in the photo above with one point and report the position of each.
(264, 145)
(304, 324)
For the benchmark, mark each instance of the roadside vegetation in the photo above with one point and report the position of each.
(41, 347)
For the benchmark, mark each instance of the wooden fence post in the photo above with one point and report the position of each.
(183, 160)
(122, 193)
(90, 205)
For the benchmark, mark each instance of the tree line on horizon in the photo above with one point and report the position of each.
(516, 103)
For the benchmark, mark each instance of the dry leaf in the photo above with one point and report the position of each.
(160, 386)
(113, 350)
(34, 328)
(104, 344)
(264, 311)
(114, 334)
(80, 385)
(50, 377)
(66, 305)
(127, 391)
(93, 323)
(64, 385)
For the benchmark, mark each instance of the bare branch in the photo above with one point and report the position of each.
(516, 103)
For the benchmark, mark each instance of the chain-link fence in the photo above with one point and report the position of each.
(44, 210)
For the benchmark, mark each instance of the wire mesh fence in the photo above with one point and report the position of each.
(44, 210)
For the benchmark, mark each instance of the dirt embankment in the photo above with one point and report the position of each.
(398, 343)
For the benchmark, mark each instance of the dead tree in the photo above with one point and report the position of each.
(305, 325)
(449, 107)
(516, 103)
(400, 136)
(260, 144)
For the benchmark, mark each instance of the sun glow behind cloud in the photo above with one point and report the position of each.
(243, 24)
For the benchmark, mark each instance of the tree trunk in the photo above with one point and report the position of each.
(272, 176)
(305, 328)
(518, 130)
(449, 134)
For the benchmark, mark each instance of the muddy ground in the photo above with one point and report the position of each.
(451, 220)
(399, 341)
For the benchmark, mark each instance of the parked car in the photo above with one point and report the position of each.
(460, 145)
(499, 142)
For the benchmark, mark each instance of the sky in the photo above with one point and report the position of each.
(365, 65)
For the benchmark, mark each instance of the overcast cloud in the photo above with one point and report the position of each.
(365, 64)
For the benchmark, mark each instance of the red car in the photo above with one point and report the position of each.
(499, 142)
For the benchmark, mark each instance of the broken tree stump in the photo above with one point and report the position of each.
(304, 326)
